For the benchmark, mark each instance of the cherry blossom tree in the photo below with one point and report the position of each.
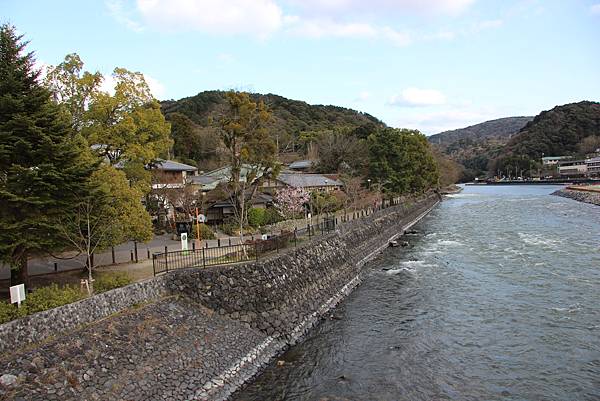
(289, 201)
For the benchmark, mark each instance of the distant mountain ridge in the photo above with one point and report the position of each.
(558, 131)
(194, 120)
(289, 116)
(499, 128)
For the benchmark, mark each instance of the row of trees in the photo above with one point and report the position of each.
(60, 141)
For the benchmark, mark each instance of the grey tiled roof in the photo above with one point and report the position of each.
(308, 180)
(300, 164)
(170, 165)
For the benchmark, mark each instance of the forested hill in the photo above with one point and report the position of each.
(500, 128)
(556, 132)
(289, 115)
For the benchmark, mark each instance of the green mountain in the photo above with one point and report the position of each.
(475, 146)
(192, 128)
(569, 130)
(559, 131)
(500, 128)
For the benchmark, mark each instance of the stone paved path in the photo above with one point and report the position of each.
(166, 350)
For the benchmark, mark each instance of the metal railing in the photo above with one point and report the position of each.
(254, 249)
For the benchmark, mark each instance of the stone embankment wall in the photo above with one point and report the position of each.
(206, 331)
(284, 295)
(47, 324)
(580, 196)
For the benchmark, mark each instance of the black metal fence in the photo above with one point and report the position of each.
(254, 249)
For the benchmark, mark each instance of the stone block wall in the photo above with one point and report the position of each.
(281, 294)
(44, 325)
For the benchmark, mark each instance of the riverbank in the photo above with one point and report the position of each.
(579, 195)
(196, 333)
(498, 308)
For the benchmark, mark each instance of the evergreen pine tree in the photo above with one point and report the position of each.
(42, 170)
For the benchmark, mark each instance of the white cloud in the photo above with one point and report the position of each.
(595, 9)
(156, 87)
(442, 35)
(108, 84)
(256, 17)
(118, 12)
(488, 24)
(319, 28)
(363, 96)
(435, 122)
(225, 58)
(316, 28)
(339, 8)
(415, 97)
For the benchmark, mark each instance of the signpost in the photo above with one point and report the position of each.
(17, 294)
(184, 242)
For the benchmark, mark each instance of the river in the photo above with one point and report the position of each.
(497, 298)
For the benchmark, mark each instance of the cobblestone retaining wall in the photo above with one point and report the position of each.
(286, 294)
(44, 325)
(216, 329)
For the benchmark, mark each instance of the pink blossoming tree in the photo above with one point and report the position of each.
(289, 201)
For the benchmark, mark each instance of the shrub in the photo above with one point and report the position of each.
(10, 312)
(256, 217)
(272, 216)
(205, 231)
(110, 280)
(52, 296)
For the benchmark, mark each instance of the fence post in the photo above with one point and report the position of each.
(136, 252)
(308, 229)
(55, 267)
(166, 259)
(229, 241)
(295, 237)
(203, 257)
(219, 242)
(112, 250)
(154, 263)
(256, 250)
(131, 253)
(148, 250)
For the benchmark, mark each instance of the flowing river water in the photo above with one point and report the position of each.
(497, 298)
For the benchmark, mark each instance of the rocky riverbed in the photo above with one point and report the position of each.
(580, 196)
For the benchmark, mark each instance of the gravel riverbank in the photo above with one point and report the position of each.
(580, 196)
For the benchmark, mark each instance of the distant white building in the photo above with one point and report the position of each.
(573, 168)
(593, 166)
(553, 160)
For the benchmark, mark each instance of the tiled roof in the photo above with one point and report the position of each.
(301, 164)
(170, 165)
(308, 180)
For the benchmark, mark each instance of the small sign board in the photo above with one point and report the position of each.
(17, 294)
(183, 227)
(264, 237)
(201, 218)
(184, 241)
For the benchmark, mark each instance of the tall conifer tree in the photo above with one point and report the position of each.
(42, 170)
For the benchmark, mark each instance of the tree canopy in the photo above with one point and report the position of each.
(43, 166)
(401, 161)
(127, 127)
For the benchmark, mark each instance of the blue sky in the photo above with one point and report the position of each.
(426, 64)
